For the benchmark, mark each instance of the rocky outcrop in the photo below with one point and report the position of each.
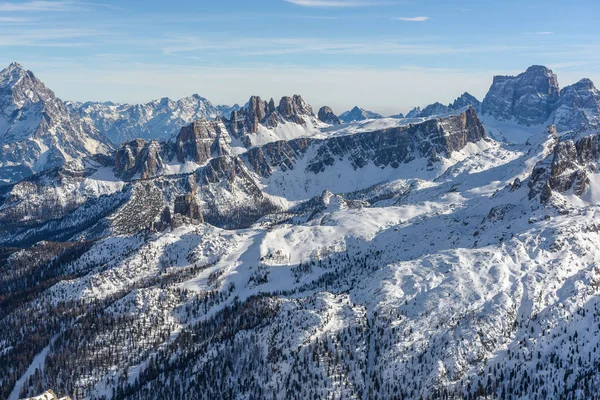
(327, 116)
(577, 106)
(139, 159)
(246, 121)
(528, 98)
(465, 100)
(390, 147)
(568, 168)
(282, 155)
(201, 141)
(358, 114)
(37, 130)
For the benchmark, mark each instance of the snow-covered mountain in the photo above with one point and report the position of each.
(260, 122)
(159, 119)
(278, 254)
(465, 100)
(358, 114)
(533, 98)
(37, 130)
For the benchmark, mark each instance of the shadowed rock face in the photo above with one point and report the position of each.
(528, 98)
(569, 166)
(201, 141)
(326, 115)
(578, 105)
(390, 147)
(138, 157)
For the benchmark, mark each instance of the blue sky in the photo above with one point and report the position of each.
(385, 55)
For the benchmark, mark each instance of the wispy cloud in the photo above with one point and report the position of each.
(34, 6)
(335, 3)
(539, 33)
(14, 20)
(413, 19)
(47, 38)
(252, 47)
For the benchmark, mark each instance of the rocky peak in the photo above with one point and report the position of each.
(138, 159)
(465, 100)
(202, 140)
(291, 107)
(434, 109)
(528, 98)
(37, 130)
(327, 116)
(19, 86)
(257, 112)
(577, 106)
(568, 168)
(358, 114)
(414, 113)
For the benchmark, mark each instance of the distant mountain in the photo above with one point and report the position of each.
(37, 129)
(358, 114)
(527, 99)
(326, 115)
(159, 119)
(463, 101)
(434, 109)
(414, 113)
(399, 116)
(534, 98)
(578, 105)
(260, 122)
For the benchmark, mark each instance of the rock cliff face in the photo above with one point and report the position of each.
(528, 98)
(577, 106)
(139, 159)
(570, 168)
(390, 147)
(202, 140)
(246, 123)
(327, 116)
(37, 130)
(197, 143)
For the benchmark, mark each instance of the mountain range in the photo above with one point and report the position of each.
(271, 252)
(160, 119)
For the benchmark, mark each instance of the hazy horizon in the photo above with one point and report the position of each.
(387, 57)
